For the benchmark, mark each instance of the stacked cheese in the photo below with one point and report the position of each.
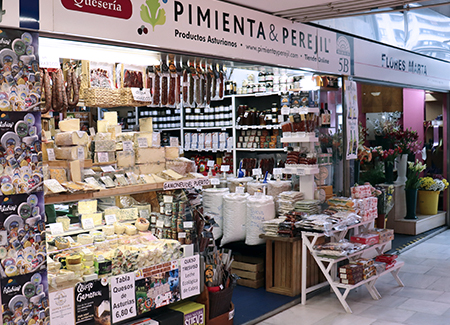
(105, 139)
(88, 210)
(71, 143)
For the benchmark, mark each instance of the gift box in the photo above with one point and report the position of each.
(385, 234)
(353, 276)
(367, 239)
(351, 268)
(365, 262)
(361, 192)
(351, 281)
(386, 258)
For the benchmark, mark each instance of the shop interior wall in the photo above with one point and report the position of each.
(414, 111)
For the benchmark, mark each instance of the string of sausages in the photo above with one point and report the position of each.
(59, 94)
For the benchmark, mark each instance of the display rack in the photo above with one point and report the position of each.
(328, 265)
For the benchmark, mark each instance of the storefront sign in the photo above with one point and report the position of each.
(112, 8)
(62, 304)
(123, 299)
(351, 103)
(92, 302)
(190, 276)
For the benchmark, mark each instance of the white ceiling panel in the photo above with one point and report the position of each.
(271, 6)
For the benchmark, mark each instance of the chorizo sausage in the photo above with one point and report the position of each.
(47, 90)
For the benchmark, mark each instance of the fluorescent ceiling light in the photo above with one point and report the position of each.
(51, 47)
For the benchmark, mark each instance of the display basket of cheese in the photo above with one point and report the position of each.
(103, 97)
(128, 100)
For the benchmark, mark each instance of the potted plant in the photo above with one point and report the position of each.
(428, 194)
(411, 187)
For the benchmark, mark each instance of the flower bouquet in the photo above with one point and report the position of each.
(429, 189)
(414, 169)
(435, 183)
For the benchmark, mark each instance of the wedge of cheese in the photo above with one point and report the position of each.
(87, 206)
(96, 217)
(72, 124)
(102, 126)
(125, 158)
(68, 153)
(105, 157)
(150, 155)
(75, 171)
(115, 130)
(47, 145)
(151, 168)
(146, 124)
(125, 136)
(146, 135)
(110, 117)
(105, 145)
(102, 136)
(172, 152)
(172, 174)
(72, 138)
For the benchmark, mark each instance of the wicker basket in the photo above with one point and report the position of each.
(102, 97)
(128, 100)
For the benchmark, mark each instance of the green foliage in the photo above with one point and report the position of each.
(152, 14)
(373, 175)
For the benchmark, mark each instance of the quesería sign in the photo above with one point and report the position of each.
(112, 8)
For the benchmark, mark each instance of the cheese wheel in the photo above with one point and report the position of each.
(119, 229)
(130, 230)
(75, 267)
(11, 271)
(85, 239)
(62, 243)
(88, 256)
(89, 270)
(142, 224)
(3, 252)
(108, 230)
(7, 189)
(88, 263)
(74, 259)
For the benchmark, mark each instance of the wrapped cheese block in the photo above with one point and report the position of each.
(172, 152)
(128, 214)
(105, 145)
(151, 168)
(110, 117)
(72, 124)
(181, 165)
(148, 136)
(97, 218)
(87, 206)
(101, 136)
(125, 158)
(104, 157)
(114, 130)
(125, 136)
(259, 208)
(68, 153)
(170, 174)
(47, 145)
(150, 155)
(102, 126)
(71, 138)
(213, 202)
(234, 217)
(146, 124)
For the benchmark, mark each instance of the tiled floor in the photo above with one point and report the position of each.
(425, 299)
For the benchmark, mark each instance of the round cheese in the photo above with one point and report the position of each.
(130, 230)
(88, 263)
(85, 239)
(74, 259)
(108, 230)
(119, 229)
(75, 267)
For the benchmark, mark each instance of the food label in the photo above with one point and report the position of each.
(256, 171)
(91, 298)
(123, 299)
(210, 163)
(110, 219)
(81, 153)
(168, 198)
(56, 229)
(102, 157)
(128, 146)
(141, 94)
(225, 168)
(215, 181)
(190, 276)
(92, 131)
(142, 143)
(174, 142)
(188, 224)
(191, 183)
(108, 169)
(61, 307)
(51, 154)
(159, 224)
(278, 171)
(87, 223)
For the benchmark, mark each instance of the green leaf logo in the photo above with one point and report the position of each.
(152, 14)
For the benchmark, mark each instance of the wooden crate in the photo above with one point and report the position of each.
(250, 269)
(283, 266)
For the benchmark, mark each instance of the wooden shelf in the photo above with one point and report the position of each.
(125, 190)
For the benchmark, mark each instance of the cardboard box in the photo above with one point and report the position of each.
(367, 239)
(166, 316)
(194, 313)
(250, 269)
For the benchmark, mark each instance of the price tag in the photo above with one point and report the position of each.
(215, 181)
(141, 94)
(128, 146)
(278, 171)
(123, 290)
(181, 235)
(51, 154)
(88, 172)
(174, 142)
(285, 111)
(92, 131)
(225, 168)
(245, 127)
(295, 110)
(330, 150)
(159, 224)
(81, 153)
(256, 171)
(240, 190)
(102, 157)
(156, 139)
(142, 143)
(70, 239)
(110, 219)
(210, 163)
(87, 223)
(56, 229)
(301, 172)
(188, 224)
(168, 198)
(108, 169)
